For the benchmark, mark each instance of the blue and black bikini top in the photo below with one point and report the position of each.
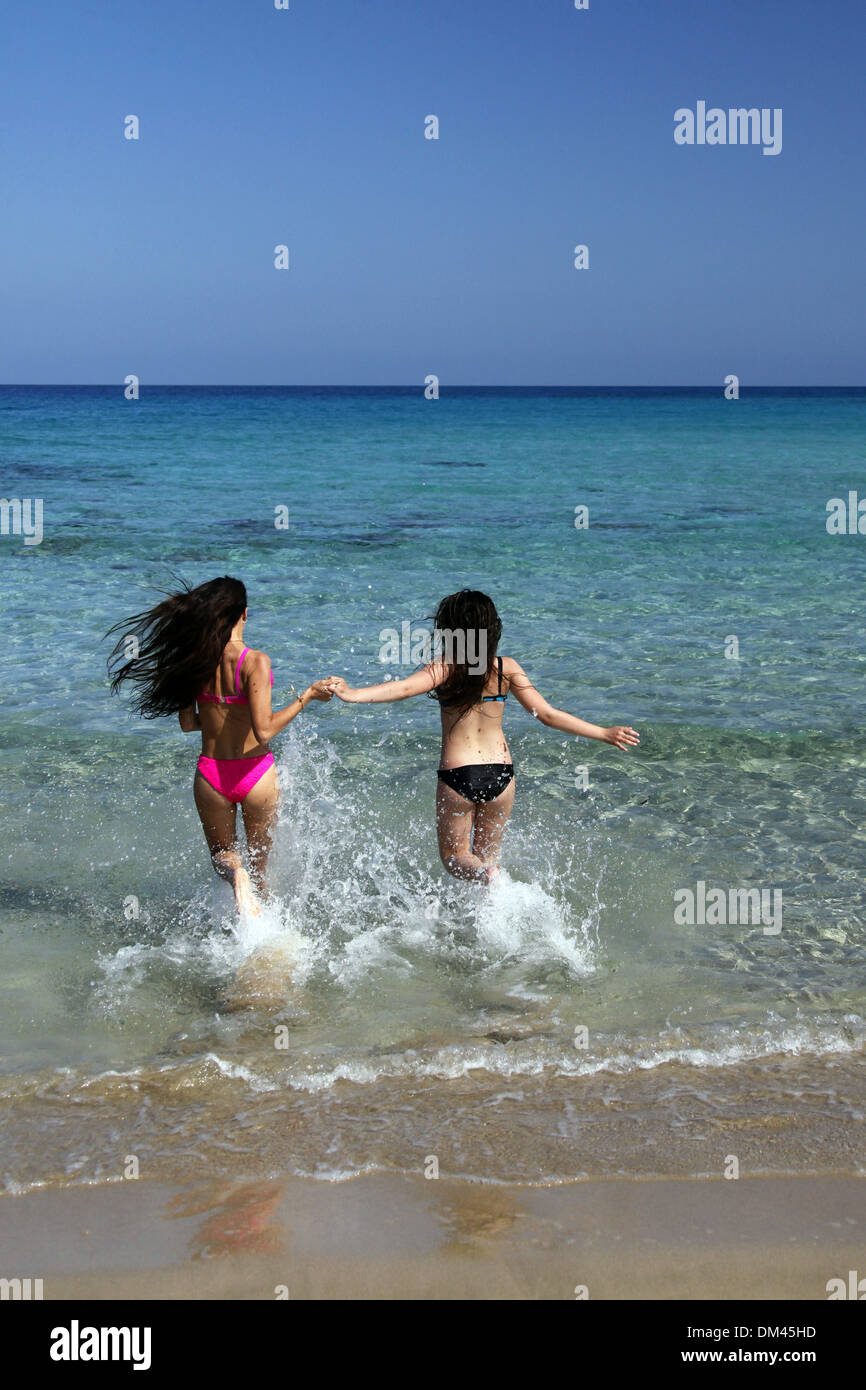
(484, 698)
(500, 696)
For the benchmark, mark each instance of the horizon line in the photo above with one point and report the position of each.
(416, 386)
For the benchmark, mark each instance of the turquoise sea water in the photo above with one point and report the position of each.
(129, 992)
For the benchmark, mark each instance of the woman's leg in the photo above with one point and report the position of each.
(491, 818)
(217, 815)
(259, 808)
(454, 820)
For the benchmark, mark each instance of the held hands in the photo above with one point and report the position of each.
(327, 688)
(621, 736)
(338, 686)
(320, 690)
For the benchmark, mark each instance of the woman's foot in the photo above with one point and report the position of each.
(244, 896)
(492, 874)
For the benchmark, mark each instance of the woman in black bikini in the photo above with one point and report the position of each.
(475, 791)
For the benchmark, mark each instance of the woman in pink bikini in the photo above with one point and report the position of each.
(187, 657)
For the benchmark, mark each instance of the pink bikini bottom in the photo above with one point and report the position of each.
(234, 777)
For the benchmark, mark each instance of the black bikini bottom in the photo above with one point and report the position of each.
(478, 781)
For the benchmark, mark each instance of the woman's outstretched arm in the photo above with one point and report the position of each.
(268, 722)
(620, 735)
(417, 684)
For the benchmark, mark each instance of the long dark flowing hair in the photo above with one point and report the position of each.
(461, 614)
(169, 652)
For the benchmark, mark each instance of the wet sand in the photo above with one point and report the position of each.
(777, 1115)
(406, 1237)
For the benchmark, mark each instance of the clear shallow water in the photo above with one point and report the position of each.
(406, 996)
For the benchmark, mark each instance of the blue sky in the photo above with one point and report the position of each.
(411, 256)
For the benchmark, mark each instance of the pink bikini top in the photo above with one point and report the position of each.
(236, 699)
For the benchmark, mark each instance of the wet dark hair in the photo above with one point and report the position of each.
(179, 645)
(467, 611)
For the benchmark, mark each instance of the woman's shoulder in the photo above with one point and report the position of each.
(437, 669)
(255, 661)
(512, 670)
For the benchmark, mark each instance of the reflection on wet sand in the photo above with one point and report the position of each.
(241, 1217)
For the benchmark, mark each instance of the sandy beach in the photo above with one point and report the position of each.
(394, 1237)
(217, 1212)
